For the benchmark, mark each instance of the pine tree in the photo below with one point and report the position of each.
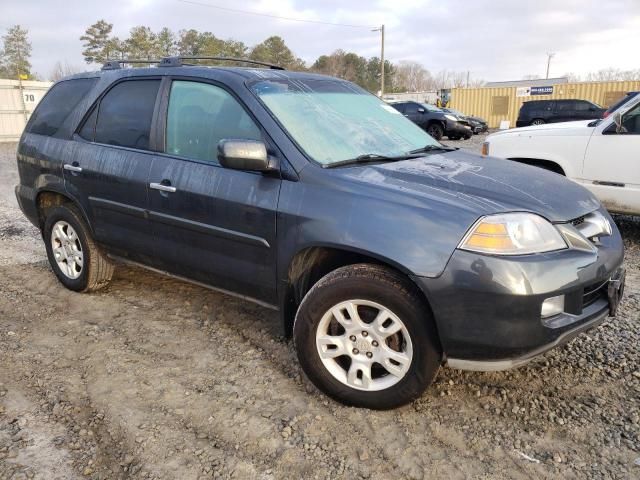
(97, 42)
(274, 50)
(15, 54)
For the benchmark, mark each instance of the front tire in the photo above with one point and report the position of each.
(365, 337)
(75, 258)
(435, 130)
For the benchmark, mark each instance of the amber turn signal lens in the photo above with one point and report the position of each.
(485, 149)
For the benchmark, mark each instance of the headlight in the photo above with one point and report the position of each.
(512, 234)
(450, 117)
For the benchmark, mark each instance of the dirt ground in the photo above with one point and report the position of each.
(154, 378)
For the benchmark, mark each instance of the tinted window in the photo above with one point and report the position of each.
(125, 113)
(537, 106)
(88, 129)
(411, 109)
(565, 106)
(56, 106)
(583, 106)
(200, 115)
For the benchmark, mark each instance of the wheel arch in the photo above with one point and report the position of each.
(551, 165)
(312, 263)
(48, 198)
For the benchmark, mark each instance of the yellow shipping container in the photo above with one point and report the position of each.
(503, 103)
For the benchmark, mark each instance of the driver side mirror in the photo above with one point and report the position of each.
(244, 155)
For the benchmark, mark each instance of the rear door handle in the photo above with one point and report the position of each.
(162, 187)
(72, 168)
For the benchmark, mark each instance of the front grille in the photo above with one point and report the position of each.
(594, 292)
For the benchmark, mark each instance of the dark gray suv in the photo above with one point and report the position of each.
(387, 254)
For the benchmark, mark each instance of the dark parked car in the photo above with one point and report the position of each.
(386, 253)
(434, 121)
(619, 103)
(478, 125)
(539, 112)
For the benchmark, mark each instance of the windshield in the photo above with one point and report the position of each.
(334, 121)
(620, 102)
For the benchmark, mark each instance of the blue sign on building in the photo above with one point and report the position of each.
(541, 90)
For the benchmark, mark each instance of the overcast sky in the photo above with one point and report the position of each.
(493, 39)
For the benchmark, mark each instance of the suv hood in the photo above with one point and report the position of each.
(580, 127)
(479, 185)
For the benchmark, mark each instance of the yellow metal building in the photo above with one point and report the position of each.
(503, 103)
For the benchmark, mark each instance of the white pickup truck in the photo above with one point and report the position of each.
(603, 155)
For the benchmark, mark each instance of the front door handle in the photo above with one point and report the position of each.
(72, 168)
(162, 187)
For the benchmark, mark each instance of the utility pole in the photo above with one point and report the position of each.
(381, 30)
(550, 55)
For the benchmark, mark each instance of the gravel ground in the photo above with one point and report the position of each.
(154, 378)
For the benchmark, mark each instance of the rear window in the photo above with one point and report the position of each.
(57, 104)
(125, 114)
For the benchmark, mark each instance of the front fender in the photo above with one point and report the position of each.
(416, 238)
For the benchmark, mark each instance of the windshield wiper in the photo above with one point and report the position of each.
(365, 158)
(375, 157)
(595, 123)
(432, 148)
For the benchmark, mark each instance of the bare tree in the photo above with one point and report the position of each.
(612, 74)
(61, 70)
(413, 77)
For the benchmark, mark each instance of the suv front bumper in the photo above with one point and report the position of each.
(457, 129)
(488, 308)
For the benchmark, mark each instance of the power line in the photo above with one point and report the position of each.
(246, 12)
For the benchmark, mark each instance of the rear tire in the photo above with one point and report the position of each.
(365, 337)
(453, 137)
(435, 130)
(75, 258)
(537, 121)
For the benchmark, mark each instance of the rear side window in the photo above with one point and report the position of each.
(56, 106)
(125, 114)
(531, 106)
(565, 106)
(199, 116)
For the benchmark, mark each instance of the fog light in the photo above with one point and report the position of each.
(552, 306)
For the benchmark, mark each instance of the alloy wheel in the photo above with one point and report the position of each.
(364, 345)
(67, 249)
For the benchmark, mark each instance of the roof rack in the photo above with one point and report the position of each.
(117, 64)
(178, 61)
